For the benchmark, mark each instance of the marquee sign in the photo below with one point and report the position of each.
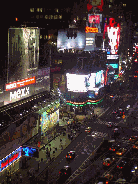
(20, 83)
(91, 30)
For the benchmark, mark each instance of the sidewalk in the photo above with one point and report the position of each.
(39, 164)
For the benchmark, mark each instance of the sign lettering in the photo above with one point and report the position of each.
(21, 83)
(19, 93)
(91, 29)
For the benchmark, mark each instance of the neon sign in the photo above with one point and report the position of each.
(113, 34)
(9, 159)
(91, 29)
(20, 83)
(30, 152)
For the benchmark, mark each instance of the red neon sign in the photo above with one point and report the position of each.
(91, 29)
(89, 6)
(21, 83)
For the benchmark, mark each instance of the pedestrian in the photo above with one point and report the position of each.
(20, 178)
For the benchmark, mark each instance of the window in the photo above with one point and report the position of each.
(40, 36)
(84, 18)
(55, 16)
(57, 10)
(31, 9)
(46, 36)
(46, 16)
(41, 16)
(77, 17)
(110, 5)
(37, 16)
(40, 9)
(60, 16)
(124, 5)
(135, 24)
(37, 10)
(51, 16)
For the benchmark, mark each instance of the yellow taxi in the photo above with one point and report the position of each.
(135, 145)
(121, 151)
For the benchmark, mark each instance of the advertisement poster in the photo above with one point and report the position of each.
(48, 121)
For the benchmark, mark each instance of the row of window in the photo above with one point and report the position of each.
(41, 10)
(46, 37)
(48, 16)
(45, 10)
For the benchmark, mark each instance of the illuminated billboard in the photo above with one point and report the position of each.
(23, 52)
(65, 41)
(90, 42)
(115, 65)
(97, 3)
(30, 152)
(113, 31)
(9, 159)
(20, 83)
(86, 82)
(49, 120)
(93, 24)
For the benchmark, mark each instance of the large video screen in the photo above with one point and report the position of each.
(71, 39)
(80, 83)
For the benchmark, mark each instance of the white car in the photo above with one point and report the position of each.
(94, 134)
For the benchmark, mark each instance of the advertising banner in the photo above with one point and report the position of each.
(21, 83)
(94, 22)
(49, 120)
(9, 159)
(65, 41)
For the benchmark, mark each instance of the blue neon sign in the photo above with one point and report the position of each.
(30, 152)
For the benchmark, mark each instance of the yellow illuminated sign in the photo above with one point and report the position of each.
(91, 30)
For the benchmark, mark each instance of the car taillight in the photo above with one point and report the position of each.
(113, 149)
(66, 156)
(59, 172)
(103, 163)
(118, 166)
(108, 164)
(109, 148)
(65, 173)
(134, 146)
(121, 167)
(70, 156)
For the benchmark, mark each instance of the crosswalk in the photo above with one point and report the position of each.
(99, 134)
(135, 128)
(102, 122)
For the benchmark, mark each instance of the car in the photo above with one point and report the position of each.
(110, 124)
(134, 169)
(133, 139)
(116, 131)
(94, 134)
(65, 172)
(108, 161)
(70, 155)
(122, 164)
(108, 176)
(114, 147)
(135, 146)
(121, 151)
(88, 129)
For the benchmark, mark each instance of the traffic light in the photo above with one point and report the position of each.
(16, 19)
